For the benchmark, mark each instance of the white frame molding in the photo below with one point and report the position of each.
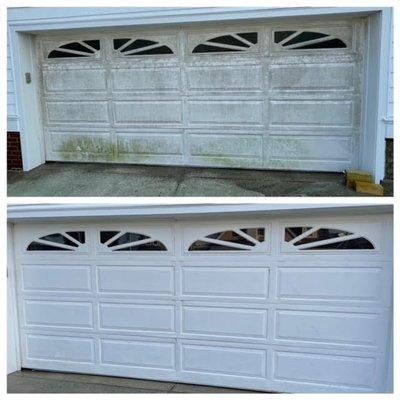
(22, 31)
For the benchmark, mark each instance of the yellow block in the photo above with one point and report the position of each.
(357, 175)
(369, 188)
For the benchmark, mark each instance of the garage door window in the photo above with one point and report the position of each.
(302, 40)
(228, 43)
(318, 238)
(85, 48)
(129, 241)
(235, 239)
(68, 241)
(139, 47)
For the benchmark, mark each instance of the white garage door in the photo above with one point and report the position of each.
(274, 95)
(271, 304)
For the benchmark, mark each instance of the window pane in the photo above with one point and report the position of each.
(79, 236)
(353, 244)
(322, 234)
(152, 246)
(58, 238)
(35, 246)
(107, 235)
(128, 237)
(230, 236)
(256, 233)
(199, 245)
(293, 232)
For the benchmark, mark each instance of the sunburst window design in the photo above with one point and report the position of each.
(84, 48)
(66, 241)
(235, 239)
(233, 42)
(307, 40)
(319, 238)
(140, 47)
(129, 241)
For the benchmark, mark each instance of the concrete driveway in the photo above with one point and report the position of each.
(80, 179)
(27, 381)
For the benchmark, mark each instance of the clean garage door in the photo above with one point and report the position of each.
(282, 96)
(290, 305)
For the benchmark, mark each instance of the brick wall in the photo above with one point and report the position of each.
(14, 157)
(389, 159)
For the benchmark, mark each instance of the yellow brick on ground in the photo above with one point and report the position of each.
(369, 188)
(357, 175)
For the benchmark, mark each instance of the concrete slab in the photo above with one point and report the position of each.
(92, 179)
(32, 381)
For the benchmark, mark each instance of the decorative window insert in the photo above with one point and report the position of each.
(307, 40)
(84, 48)
(319, 238)
(234, 42)
(129, 241)
(140, 47)
(235, 239)
(66, 241)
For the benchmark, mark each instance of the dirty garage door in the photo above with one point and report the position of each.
(290, 305)
(283, 95)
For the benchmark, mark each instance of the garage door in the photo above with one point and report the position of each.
(284, 95)
(291, 305)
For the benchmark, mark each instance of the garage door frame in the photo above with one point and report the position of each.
(369, 218)
(372, 148)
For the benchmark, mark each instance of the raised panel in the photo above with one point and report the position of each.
(137, 317)
(68, 278)
(330, 284)
(81, 143)
(77, 111)
(225, 78)
(75, 80)
(312, 77)
(325, 369)
(212, 145)
(58, 313)
(225, 282)
(59, 348)
(224, 360)
(321, 113)
(311, 148)
(329, 327)
(224, 112)
(220, 321)
(146, 281)
(149, 143)
(147, 112)
(137, 353)
(146, 79)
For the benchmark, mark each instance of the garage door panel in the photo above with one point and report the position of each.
(56, 278)
(58, 314)
(148, 112)
(299, 77)
(211, 322)
(150, 144)
(224, 78)
(146, 281)
(311, 113)
(58, 349)
(85, 112)
(161, 79)
(360, 285)
(223, 360)
(326, 149)
(225, 112)
(334, 371)
(80, 143)
(231, 146)
(347, 329)
(142, 318)
(225, 282)
(75, 80)
(137, 353)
